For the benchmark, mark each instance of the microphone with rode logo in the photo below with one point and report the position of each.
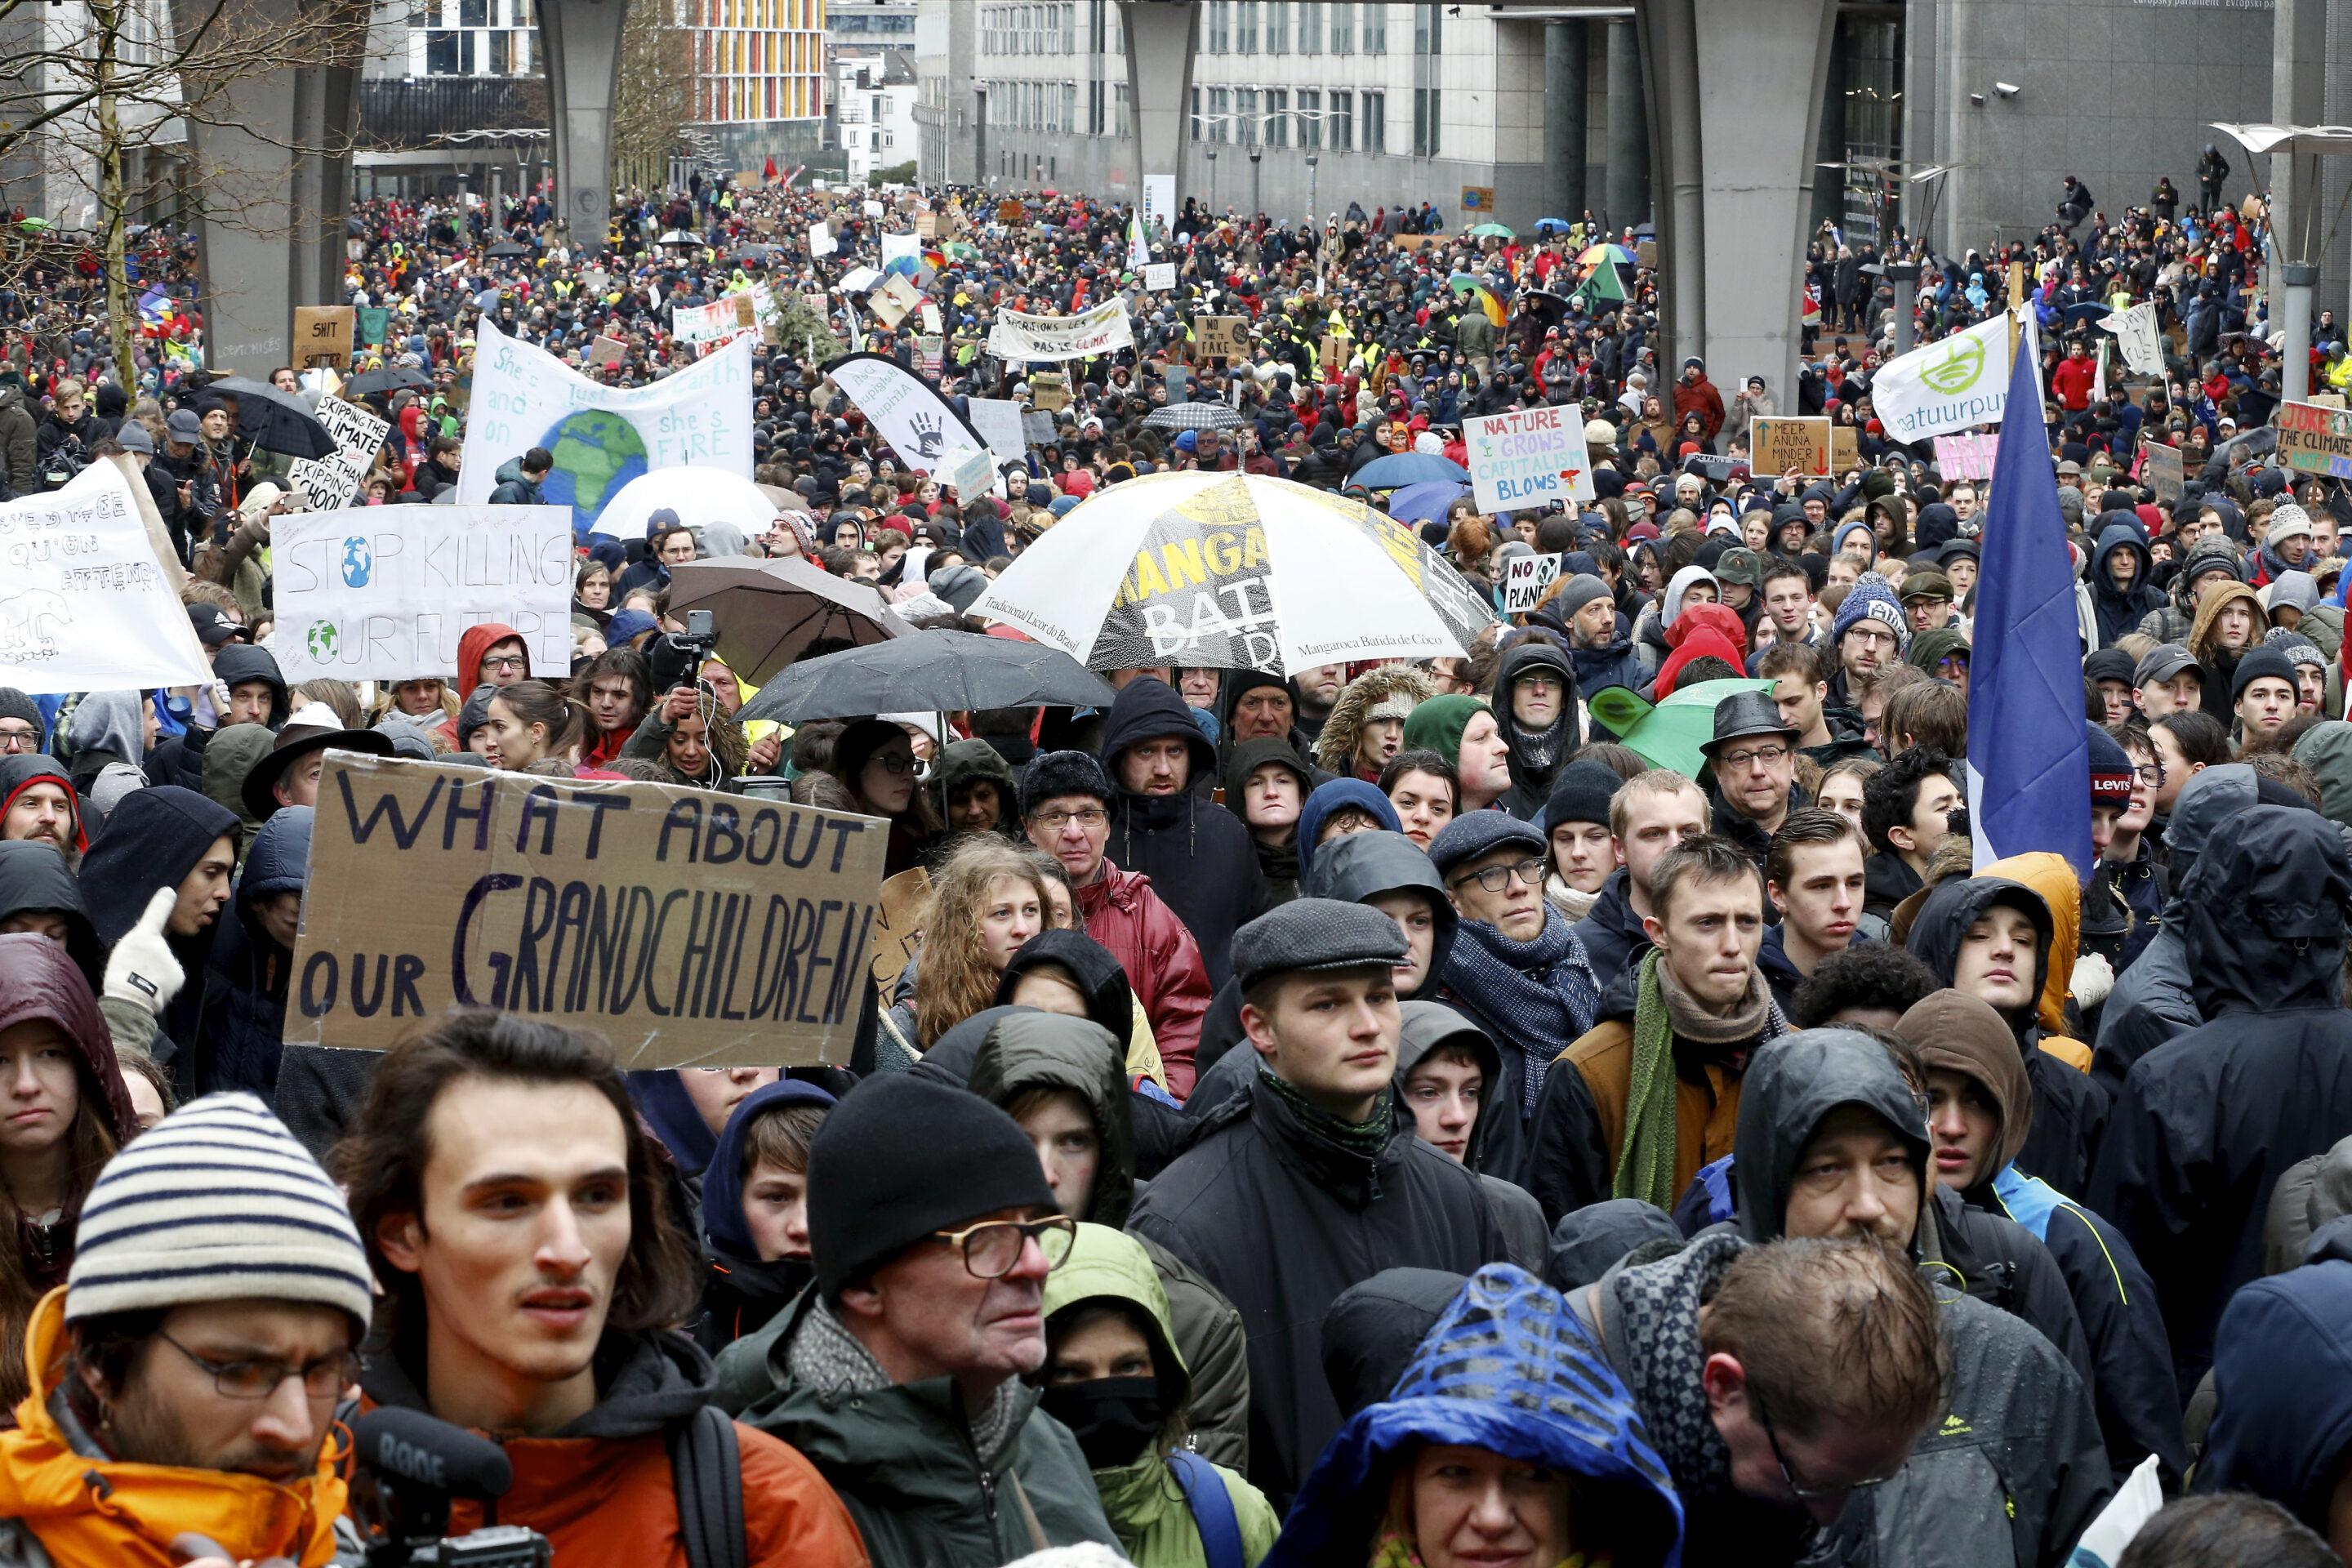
(420, 1466)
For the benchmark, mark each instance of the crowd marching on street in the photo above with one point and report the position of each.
(1657, 1023)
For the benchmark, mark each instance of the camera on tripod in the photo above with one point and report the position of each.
(420, 1466)
(677, 657)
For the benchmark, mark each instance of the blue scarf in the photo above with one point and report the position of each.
(1543, 991)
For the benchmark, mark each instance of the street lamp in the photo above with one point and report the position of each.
(1257, 204)
(1212, 179)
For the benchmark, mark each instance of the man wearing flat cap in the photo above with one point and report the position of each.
(1312, 1181)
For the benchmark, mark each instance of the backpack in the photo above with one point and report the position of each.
(1212, 1509)
(706, 1466)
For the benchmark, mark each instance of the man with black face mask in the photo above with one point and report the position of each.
(1115, 1377)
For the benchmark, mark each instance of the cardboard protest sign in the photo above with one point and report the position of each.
(998, 420)
(2315, 439)
(1845, 447)
(907, 903)
(85, 602)
(1159, 275)
(892, 301)
(2163, 469)
(372, 324)
(1477, 198)
(1525, 578)
(332, 483)
(607, 350)
(1221, 337)
(1786, 441)
(690, 928)
(1048, 392)
(384, 593)
(322, 335)
(926, 225)
(1527, 458)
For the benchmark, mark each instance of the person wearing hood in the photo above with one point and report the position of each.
(1312, 1181)
(2122, 592)
(2152, 1001)
(978, 794)
(928, 1214)
(1366, 727)
(1116, 1377)
(1390, 1489)
(229, 759)
(2283, 1380)
(1537, 716)
(1634, 1108)
(105, 740)
(1201, 860)
(1271, 786)
(68, 1111)
(253, 960)
(160, 841)
(256, 695)
(2229, 625)
(2208, 561)
(1979, 1110)
(1065, 971)
(1690, 585)
(490, 654)
(1447, 1072)
(1996, 939)
(41, 896)
(1463, 732)
(564, 1351)
(1064, 797)
(685, 1110)
(39, 805)
(755, 1246)
(2207, 1120)
(1515, 966)
(1831, 1146)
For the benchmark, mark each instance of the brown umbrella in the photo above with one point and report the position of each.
(768, 612)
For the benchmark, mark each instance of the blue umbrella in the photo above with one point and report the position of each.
(1424, 502)
(1401, 469)
(1551, 225)
(2087, 310)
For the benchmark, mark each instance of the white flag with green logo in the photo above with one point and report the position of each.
(1951, 384)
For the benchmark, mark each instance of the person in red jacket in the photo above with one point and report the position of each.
(1693, 394)
(1064, 807)
(2073, 378)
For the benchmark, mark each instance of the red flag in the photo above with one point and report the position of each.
(771, 166)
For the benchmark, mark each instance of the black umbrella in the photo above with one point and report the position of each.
(274, 420)
(508, 247)
(940, 672)
(1544, 305)
(390, 378)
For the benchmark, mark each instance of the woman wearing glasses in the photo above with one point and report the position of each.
(875, 761)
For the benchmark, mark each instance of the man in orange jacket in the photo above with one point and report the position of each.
(515, 1214)
(184, 1378)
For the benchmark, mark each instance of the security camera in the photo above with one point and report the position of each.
(2007, 89)
(1977, 98)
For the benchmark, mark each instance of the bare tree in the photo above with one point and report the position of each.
(655, 101)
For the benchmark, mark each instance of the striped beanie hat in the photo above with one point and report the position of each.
(216, 1202)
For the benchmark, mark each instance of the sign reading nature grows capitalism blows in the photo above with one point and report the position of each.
(690, 928)
(1527, 458)
(384, 593)
(1950, 384)
(600, 436)
(85, 602)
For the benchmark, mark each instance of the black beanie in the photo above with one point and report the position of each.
(1060, 774)
(902, 1157)
(1581, 792)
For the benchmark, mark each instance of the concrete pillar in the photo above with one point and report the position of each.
(1628, 195)
(2298, 97)
(580, 42)
(1829, 147)
(1160, 39)
(1567, 82)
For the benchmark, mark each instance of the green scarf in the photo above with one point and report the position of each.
(1646, 1165)
(1364, 1139)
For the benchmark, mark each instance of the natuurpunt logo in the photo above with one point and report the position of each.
(1958, 370)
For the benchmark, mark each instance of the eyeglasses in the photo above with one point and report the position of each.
(1495, 878)
(1054, 821)
(993, 1248)
(891, 763)
(1770, 756)
(1872, 638)
(325, 1378)
(506, 661)
(2150, 773)
(19, 740)
(1806, 1494)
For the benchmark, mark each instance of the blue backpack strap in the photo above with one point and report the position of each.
(1213, 1510)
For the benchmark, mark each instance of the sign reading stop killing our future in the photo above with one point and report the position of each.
(85, 603)
(1526, 460)
(384, 593)
(690, 928)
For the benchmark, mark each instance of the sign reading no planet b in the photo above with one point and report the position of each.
(384, 593)
(1526, 460)
(691, 929)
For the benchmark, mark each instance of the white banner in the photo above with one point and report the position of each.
(1093, 332)
(384, 593)
(1528, 460)
(921, 426)
(2138, 336)
(722, 321)
(902, 253)
(600, 436)
(329, 483)
(85, 605)
(1949, 385)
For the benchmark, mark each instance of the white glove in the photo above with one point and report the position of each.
(2094, 978)
(142, 969)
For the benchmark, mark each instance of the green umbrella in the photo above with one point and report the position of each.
(964, 252)
(1498, 230)
(1603, 283)
(1668, 734)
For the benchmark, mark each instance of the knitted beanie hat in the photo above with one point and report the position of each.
(1058, 774)
(1870, 599)
(215, 1202)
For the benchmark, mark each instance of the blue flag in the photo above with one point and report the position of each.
(2028, 753)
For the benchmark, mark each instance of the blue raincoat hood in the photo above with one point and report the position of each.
(1508, 1368)
(722, 1181)
(2282, 1381)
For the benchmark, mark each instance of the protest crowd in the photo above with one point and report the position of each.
(1731, 1064)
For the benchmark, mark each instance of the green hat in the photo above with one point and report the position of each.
(1437, 724)
(1926, 586)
